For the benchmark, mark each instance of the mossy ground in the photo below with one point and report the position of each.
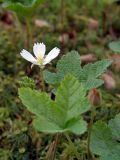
(88, 28)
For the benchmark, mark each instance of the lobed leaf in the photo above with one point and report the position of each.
(61, 115)
(77, 126)
(70, 97)
(70, 64)
(41, 105)
(102, 142)
(93, 83)
(94, 70)
(51, 78)
(114, 124)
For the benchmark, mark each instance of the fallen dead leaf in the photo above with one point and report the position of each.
(42, 23)
(116, 61)
(109, 81)
(93, 24)
(89, 58)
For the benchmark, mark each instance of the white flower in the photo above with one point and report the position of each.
(39, 51)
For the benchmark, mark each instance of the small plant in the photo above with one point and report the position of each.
(61, 115)
(71, 82)
(105, 139)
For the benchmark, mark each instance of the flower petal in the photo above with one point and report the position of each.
(39, 50)
(26, 55)
(51, 55)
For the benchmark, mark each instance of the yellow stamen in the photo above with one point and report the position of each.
(40, 60)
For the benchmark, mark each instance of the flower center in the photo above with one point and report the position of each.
(40, 60)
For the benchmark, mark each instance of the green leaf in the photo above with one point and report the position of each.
(115, 46)
(22, 8)
(102, 142)
(42, 125)
(61, 115)
(70, 64)
(70, 97)
(76, 126)
(51, 78)
(93, 83)
(114, 124)
(94, 70)
(90, 72)
(41, 105)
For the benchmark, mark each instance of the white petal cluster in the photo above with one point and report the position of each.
(40, 58)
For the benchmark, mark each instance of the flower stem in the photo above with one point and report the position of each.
(42, 79)
(89, 131)
(73, 146)
(29, 33)
(18, 23)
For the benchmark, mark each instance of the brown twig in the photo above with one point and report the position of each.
(53, 147)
